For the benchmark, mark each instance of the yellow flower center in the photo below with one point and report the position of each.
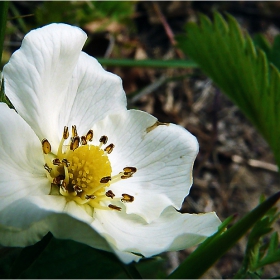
(82, 172)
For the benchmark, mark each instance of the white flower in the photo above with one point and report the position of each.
(74, 161)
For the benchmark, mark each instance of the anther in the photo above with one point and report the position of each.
(83, 140)
(56, 161)
(74, 131)
(47, 168)
(127, 198)
(46, 146)
(89, 135)
(114, 207)
(130, 170)
(109, 148)
(105, 179)
(75, 143)
(77, 189)
(126, 176)
(90, 196)
(57, 180)
(65, 132)
(103, 139)
(63, 186)
(66, 162)
(110, 194)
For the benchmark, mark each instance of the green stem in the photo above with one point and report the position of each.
(207, 254)
(152, 63)
(3, 20)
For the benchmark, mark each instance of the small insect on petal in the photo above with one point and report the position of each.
(103, 139)
(65, 132)
(127, 198)
(109, 193)
(46, 146)
(109, 148)
(114, 207)
(89, 135)
(105, 179)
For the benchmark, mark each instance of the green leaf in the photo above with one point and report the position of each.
(273, 254)
(8, 257)
(69, 259)
(215, 246)
(3, 20)
(272, 52)
(82, 12)
(152, 63)
(256, 247)
(28, 256)
(244, 72)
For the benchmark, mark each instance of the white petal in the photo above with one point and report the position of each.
(38, 75)
(93, 93)
(163, 157)
(27, 220)
(21, 159)
(172, 231)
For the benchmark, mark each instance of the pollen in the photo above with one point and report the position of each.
(82, 172)
(88, 165)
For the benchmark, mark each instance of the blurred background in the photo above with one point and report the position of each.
(234, 166)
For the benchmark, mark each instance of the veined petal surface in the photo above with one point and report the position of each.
(21, 160)
(93, 93)
(41, 214)
(37, 76)
(53, 84)
(163, 155)
(171, 231)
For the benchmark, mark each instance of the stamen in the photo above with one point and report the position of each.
(47, 168)
(66, 162)
(46, 146)
(103, 139)
(105, 180)
(57, 180)
(56, 161)
(129, 170)
(83, 140)
(65, 132)
(90, 196)
(126, 176)
(110, 194)
(77, 189)
(109, 148)
(75, 170)
(89, 135)
(127, 198)
(63, 188)
(74, 131)
(114, 207)
(75, 143)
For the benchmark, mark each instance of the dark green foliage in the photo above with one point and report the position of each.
(241, 70)
(260, 251)
(80, 13)
(216, 245)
